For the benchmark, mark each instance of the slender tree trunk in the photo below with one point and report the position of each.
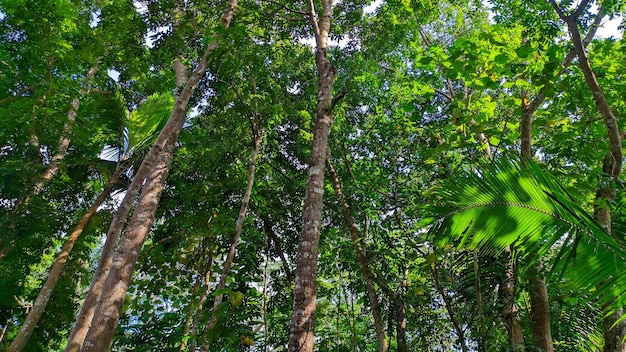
(192, 310)
(64, 140)
(57, 158)
(305, 294)
(453, 316)
(5, 326)
(196, 319)
(510, 311)
(612, 165)
(243, 213)
(56, 270)
(482, 331)
(363, 261)
(170, 131)
(401, 316)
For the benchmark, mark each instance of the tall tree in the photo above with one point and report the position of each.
(305, 294)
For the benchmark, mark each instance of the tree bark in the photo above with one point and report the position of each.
(169, 132)
(510, 311)
(612, 166)
(305, 294)
(56, 270)
(103, 326)
(539, 300)
(363, 261)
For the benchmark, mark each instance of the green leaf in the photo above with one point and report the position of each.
(506, 204)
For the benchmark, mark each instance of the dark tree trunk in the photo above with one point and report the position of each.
(612, 165)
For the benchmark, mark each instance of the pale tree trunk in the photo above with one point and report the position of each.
(305, 293)
(243, 213)
(56, 270)
(612, 166)
(170, 131)
(357, 240)
(64, 140)
(53, 167)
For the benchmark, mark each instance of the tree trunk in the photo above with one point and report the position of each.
(279, 249)
(170, 131)
(363, 261)
(540, 310)
(401, 328)
(510, 311)
(103, 326)
(305, 294)
(612, 165)
(196, 319)
(56, 270)
(449, 308)
(243, 213)
(539, 300)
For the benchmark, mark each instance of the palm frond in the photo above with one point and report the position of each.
(505, 204)
(149, 118)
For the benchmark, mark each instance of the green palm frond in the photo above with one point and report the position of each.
(505, 204)
(145, 123)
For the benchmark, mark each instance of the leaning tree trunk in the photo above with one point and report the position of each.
(102, 330)
(56, 270)
(305, 293)
(168, 134)
(614, 332)
(363, 261)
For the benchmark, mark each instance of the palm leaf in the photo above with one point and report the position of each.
(149, 118)
(505, 204)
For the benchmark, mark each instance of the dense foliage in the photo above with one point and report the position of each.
(431, 207)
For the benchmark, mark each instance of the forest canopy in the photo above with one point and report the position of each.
(320, 175)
